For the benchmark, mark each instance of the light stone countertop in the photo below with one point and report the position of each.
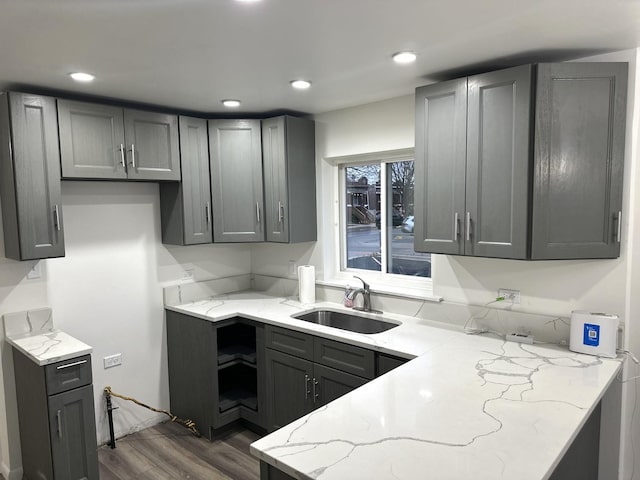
(32, 333)
(469, 406)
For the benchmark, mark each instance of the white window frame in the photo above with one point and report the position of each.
(395, 284)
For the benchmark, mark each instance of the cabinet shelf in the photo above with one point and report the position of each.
(233, 354)
(238, 397)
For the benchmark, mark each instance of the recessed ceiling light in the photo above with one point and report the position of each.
(300, 84)
(404, 57)
(248, 1)
(82, 77)
(231, 103)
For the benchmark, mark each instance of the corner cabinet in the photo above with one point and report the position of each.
(216, 371)
(111, 143)
(30, 177)
(235, 154)
(481, 190)
(57, 419)
(185, 207)
(288, 153)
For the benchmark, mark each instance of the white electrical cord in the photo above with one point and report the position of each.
(478, 331)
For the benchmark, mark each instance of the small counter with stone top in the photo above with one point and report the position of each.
(32, 333)
(466, 407)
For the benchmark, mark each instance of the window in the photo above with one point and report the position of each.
(377, 220)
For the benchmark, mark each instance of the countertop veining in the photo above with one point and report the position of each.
(469, 406)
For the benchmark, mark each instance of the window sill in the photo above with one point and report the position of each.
(415, 292)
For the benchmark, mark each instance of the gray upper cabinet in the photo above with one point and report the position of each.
(498, 163)
(92, 141)
(235, 154)
(108, 142)
(152, 144)
(579, 160)
(472, 151)
(288, 150)
(440, 161)
(483, 189)
(30, 177)
(185, 207)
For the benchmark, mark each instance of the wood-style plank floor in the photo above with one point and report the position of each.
(168, 451)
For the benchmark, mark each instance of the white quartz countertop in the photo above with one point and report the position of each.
(49, 347)
(469, 406)
(32, 333)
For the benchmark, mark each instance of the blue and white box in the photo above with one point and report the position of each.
(594, 333)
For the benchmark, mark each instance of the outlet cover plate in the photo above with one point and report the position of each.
(112, 360)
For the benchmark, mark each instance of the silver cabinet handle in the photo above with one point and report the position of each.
(316, 392)
(133, 155)
(56, 217)
(456, 226)
(468, 226)
(280, 212)
(207, 214)
(258, 211)
(307, 387)
(122, 161)
(59, 421)
(619, 229)
(68, 365)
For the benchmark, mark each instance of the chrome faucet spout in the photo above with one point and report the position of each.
(366, 297)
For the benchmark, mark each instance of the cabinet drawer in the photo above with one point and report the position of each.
(347, 358)
(289, 341)
(68, 374)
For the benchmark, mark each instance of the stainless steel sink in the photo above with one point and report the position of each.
(346, 321)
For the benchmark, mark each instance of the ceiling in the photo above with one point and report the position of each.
(191, 54)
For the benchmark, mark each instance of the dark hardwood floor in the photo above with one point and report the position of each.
(168, 451)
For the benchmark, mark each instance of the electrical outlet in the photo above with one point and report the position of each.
(112, 360)
(292, 268)
(511, 295)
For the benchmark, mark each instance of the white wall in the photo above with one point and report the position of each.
(107, 292)
(551, 287)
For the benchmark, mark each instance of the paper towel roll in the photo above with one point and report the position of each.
(307, 283)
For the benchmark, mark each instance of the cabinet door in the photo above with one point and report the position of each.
(289, 388)
(275, 180)
(288, 151)
(329, 384)
(91, 140)
(30, 183)
(73, 435)
(152, 145)
(193, 374)
(579, 160)
(236, 180)
(498, 163)
(440, 155)
(185, 207)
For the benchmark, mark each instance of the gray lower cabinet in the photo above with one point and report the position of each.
(109, 142)
(216, 371)
(57, 419)
(288, 154)
(304, 372)
(235, 154)
(472, 165)
(581, 110)
(30, 177)
(523, 163)
(185, 207)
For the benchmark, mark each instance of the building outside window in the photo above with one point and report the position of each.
(377, 225)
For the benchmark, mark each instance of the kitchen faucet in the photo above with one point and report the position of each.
(366, 297)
